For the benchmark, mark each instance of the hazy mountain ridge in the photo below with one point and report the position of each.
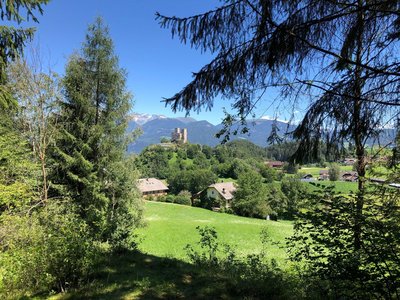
(199, 132)
(155, 127)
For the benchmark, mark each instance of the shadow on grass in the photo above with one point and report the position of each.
(140, 276)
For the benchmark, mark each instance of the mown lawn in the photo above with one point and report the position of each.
(170, 227)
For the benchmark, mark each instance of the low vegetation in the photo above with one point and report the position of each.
(181, 245)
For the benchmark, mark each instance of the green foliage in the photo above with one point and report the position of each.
(201, 161)
(154, 161)
(17, 169)
(193, 181)
(243, 148)
(295, 192)
(50, 249)
(334, 172)
(268, 173)
(252, 276)
(237, 168)
(291, 168)
(277, 200)
(250, 198)
(274, 137)
(282, 151)
(184, 197)
(192, 150)
(209, 243)
(325, 242)
(89, 157)
(125, 208)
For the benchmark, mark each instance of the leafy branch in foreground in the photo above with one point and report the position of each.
(323, 241)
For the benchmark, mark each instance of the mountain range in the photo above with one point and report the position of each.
(155, 127)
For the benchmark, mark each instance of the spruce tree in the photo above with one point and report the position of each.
(90, 151)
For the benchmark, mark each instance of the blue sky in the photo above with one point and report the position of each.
(157, 65)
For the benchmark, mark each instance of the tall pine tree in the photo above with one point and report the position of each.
(90, 153)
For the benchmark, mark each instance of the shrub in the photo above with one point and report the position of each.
(51, 249)
(290, 168)
(334, 172)
(251, 277)
(184, 197)
(324, 241)
(170, 198)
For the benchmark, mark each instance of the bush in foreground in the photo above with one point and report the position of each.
(49, 249)
(253, 276)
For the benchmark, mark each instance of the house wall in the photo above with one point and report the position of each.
(213, 193)
(154, 194)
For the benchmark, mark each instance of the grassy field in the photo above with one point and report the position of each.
(160, 269)
(343, 187)
(171, 227)
(314, 171)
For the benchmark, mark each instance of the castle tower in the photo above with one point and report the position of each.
(184, 135)
(179, 135)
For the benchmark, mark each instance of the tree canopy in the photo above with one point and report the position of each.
(91, 164)
(334, 55)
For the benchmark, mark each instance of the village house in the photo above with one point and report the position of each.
(349, 176)
(222, 192)
(152, 187)
(349, 161)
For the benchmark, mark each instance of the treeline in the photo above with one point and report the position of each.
(67, 188)
(321, 154)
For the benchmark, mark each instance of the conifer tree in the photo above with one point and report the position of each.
(274, 137)
(336, 55)
(91, 147)
(339, 56)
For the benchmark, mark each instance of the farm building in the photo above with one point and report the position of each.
(349, 176)
(349, 161)
(323, 175)
(152, 187)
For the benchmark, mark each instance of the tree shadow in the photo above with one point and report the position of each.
(136, 275)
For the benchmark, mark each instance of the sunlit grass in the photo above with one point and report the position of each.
(171, 227)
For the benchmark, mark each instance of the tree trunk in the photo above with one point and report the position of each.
(359, 134)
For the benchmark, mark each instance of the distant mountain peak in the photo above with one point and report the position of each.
(268, 118)
(186, 120)
(142, 119)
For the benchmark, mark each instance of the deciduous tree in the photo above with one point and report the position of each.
(13, 40)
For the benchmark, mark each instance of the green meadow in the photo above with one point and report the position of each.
(161, 270)
(170, 227)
